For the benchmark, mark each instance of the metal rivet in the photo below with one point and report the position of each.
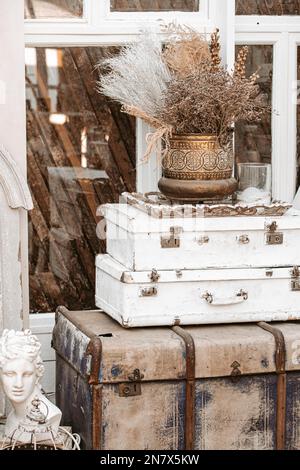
(244, 240)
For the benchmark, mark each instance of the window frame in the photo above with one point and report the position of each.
(281, 32)
(99, 21)
(201, 15)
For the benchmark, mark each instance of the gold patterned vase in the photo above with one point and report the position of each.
(196, 168)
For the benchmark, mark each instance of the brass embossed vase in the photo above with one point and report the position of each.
(196, 168)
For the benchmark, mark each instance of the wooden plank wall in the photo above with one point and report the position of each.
(261, 7)
(62, 226)
(53, 8)
(154, 5)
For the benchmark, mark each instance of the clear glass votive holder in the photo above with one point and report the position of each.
(255, 183)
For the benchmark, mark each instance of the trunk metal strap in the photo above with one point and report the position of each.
(94, 349)
(190, 387)
(280, 358)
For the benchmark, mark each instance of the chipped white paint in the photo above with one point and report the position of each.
(14, 199)
(13, 183)
(194, 297)
(13, 192)
(134, 240)
(11, 297)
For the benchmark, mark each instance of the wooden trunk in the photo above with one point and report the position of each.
(219, 387)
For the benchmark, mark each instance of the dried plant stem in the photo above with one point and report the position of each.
(215, 48)
(240, 65)
(138, 113)
(153, 139)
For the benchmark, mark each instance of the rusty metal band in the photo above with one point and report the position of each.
(94, 350)
(280, 358)
(97, 417)
(190, 387)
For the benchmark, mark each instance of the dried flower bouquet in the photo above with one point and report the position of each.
(182, 88)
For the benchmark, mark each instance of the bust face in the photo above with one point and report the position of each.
(18, 379)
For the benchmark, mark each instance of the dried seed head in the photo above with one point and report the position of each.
(215, 49)
(240, 65)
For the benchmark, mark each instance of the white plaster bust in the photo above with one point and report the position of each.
(21, 369)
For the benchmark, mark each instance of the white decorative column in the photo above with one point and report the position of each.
(15, 199)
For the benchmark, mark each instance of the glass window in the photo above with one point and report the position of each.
(81, 154)
(53, 9)
(253, 141)
(267, 7)
(154, 5)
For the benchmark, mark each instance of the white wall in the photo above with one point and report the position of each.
(42, 325)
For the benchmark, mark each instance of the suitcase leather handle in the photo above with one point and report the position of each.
(239, 298)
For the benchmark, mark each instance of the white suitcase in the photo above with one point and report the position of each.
(194, 297)
(140, 241)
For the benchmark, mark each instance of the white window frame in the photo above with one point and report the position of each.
(100, 27)
(116, 27)
(282, 33)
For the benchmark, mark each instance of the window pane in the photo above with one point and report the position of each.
(253, 141)
(271, 7)
(53, 9)
(81, 153)
(154, 5)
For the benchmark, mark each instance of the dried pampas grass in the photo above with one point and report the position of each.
(185, 51)
(138, 78)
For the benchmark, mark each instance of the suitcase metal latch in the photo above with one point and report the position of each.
(243, 240)
(154, 276)
(203, 240)
(148, 292)
(272, 236)
(236, 372)
(173, 240)
(134, 387)
(295, 282)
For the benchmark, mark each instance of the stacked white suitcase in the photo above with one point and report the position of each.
(190, 269)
